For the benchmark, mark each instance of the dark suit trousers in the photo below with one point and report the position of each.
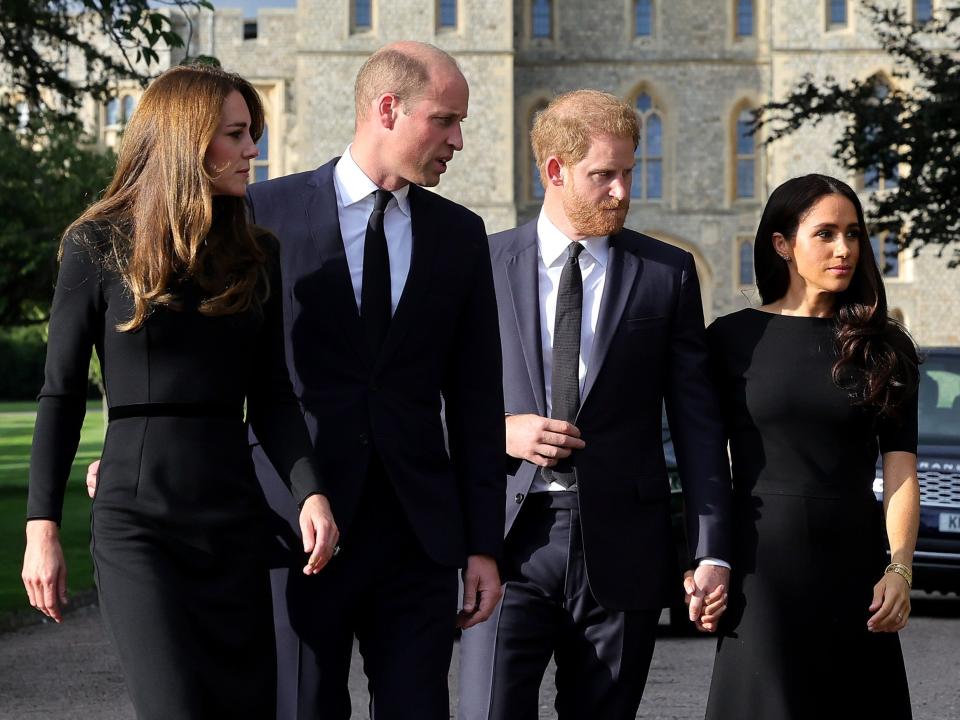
(400, 605)
(602, 656)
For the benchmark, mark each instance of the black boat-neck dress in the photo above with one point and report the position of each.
(178, 523)
(808, 531)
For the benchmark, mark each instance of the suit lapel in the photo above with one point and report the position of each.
(522, 275)
(323, 221)
(621, 275)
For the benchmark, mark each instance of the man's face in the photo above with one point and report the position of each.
(427, 134)
(596, 190)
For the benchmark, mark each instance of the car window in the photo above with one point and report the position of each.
(940, 399)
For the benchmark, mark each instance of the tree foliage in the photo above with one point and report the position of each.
(48, 177)
(907, 131)
(54, 54)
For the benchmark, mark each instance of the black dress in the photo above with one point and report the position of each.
(808, 532)
(178, 522)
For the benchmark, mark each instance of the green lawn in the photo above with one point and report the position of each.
(16, 432)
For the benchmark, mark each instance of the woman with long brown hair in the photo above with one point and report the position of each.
(813, 385)
(181, 299)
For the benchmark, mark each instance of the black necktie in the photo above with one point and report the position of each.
(565, 378)
(375, 303)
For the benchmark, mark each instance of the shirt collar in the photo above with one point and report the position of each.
(553, 244)
(354, 186)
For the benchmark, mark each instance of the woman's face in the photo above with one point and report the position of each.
(824, 254)
(229, 154)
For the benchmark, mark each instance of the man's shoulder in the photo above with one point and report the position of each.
(651, 249)
(441, 207)
(281, 185)
(508, 242)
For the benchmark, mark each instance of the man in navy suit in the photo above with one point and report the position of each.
(599, 326)
(390, 311)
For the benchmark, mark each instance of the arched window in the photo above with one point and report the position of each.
(643, 18)
(261, 163)
(128, 104)
(874, 178)
(648, 172)
(745, 274)
(113, 112)
(746, 156)
(541, 18)
(744, 18)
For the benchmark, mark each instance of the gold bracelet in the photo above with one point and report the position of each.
(901, 570)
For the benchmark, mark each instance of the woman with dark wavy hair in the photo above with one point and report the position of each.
(814, 384)
(181, 299)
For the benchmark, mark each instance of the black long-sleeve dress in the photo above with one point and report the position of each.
(178, 522)
(808, 531)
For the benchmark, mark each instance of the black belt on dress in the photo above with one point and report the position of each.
(188, 410)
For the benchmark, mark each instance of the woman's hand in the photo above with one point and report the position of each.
(320, 534)
(891, 604)
(44, 569)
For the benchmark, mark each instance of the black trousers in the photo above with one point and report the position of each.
(400, 605)
(547, 608)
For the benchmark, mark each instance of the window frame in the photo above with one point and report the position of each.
(736, 157)
(737, 35)
(641, 155)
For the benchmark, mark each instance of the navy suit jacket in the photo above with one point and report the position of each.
(442, 347)
(649, 347)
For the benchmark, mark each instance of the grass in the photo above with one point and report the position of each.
(16, 433)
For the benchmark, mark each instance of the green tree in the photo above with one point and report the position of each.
(909, 136)
(47, 178)
(54, 54)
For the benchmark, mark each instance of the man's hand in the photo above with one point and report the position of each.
(44, 569)
(320, 534)
(93, 471)
(706, 595)
(542, 441)
(481, 590)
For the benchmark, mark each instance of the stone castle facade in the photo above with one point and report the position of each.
(693, 69)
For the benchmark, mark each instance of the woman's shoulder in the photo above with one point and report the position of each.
(733, 322)
(93, 240)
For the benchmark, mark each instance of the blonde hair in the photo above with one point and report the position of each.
(163, 219)
(401, 69)
(567, 126)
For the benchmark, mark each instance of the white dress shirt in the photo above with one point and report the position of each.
(354, 205)
(552, 247)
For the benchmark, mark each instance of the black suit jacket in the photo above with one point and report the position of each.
(442, 347)
(649, 347)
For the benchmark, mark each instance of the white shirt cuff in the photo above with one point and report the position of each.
(713, 561)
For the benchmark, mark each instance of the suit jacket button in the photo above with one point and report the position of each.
(364, 440)
(519, 498)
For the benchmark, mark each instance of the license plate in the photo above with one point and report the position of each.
(950, 522)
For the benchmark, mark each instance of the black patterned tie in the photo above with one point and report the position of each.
(375, 305)
(565, 377)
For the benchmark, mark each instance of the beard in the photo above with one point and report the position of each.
(594, 219)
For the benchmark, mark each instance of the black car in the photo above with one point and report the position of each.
(936, 562)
